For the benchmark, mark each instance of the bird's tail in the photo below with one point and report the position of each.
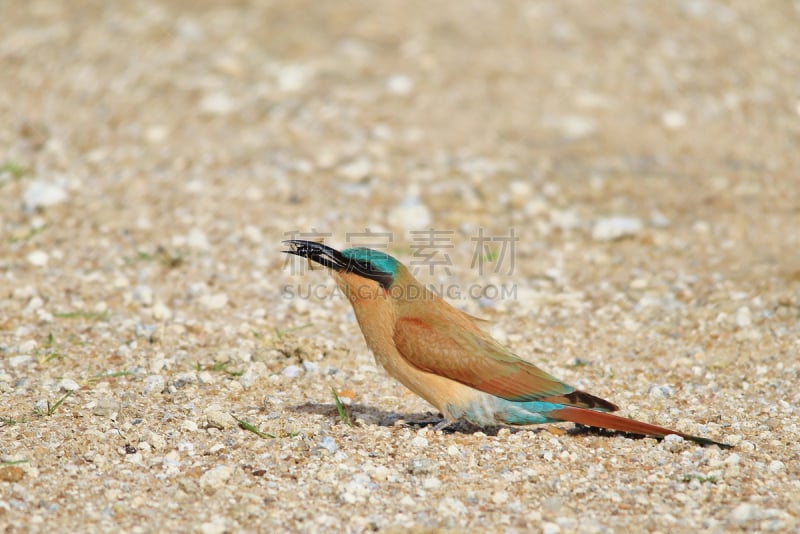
(615, 422)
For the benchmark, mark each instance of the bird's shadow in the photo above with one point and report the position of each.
(383, 418)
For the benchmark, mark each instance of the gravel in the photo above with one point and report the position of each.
(155, 155)
(610, 228)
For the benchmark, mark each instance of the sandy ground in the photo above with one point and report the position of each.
(154, 154)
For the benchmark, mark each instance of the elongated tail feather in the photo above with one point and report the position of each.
(623, 424)
(581, 399)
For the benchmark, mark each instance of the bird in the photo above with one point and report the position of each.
(441, 354)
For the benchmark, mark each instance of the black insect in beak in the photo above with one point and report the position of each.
(317, 252)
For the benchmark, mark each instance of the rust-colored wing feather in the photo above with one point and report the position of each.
(471, 357)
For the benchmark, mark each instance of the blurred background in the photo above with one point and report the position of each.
(643, 154)
(216, 128)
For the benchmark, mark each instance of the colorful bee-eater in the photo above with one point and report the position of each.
(440, 353)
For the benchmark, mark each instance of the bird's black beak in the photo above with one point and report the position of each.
(332, 258)
(322, 254)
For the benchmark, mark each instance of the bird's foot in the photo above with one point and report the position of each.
(443, 424)
(436, 423)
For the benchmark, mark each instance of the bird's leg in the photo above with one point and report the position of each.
(444, 423)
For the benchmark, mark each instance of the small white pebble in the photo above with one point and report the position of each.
(451, 506)
(41, 194)
(106, 407)
(733, 459)
(399, 84)
(521, 191)
(220, 419)
(145, 330)
(292, 371)
(776, 466)
(171, 461)
(196, 290)
(153, 385)
(356, 170)
(551, 504)
(631, 325)
(611, 228)
(206, 377)
(732, 439)
(659, 220)
(380, 473)
(431, 483)
(252, 234)
(638, 283)
(406, 501)
(567, 523)
(156, 134)
(672, 443)
(743, 317)
(216, 477)
(28, 345)
(500, 497)
(184, 379)
(23, 292)
(189, 425)
(38, 258)
(661, 391)
(215, 526)
(574, 127)
(197, 239)
(744, 512)
(161, 312)
(255, 370)
(419, 442)
(67, 384)
(157, 441)
(20, 361)
(328, 443)
(293, 77)
(144, 295)
(217, 104)
(565, 220)
(411, 214)
(349, 497)
(673, 120)
(216, 301)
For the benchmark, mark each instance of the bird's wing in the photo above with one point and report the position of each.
(476, 360)
(475, 319)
